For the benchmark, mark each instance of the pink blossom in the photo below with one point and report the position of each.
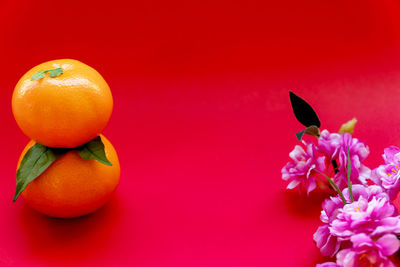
(329, 144)
(374, 217)
(326, 242)
(388, 174)
(366, 252)
(358, 151)
(300, 171)
(335, 147)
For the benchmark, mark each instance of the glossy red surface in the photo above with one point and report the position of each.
(201, 122)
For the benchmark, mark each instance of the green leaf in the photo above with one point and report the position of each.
(300, 134)
(35, 162)
(94, 150)
(56, 72)
(38, 75)
(42, 73)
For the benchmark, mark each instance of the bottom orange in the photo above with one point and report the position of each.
(72, 186)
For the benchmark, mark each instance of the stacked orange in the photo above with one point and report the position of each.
(68, 169)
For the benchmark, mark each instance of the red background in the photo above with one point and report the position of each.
(201, 122)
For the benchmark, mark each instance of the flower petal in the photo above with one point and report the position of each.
(293, 184)
(389, 244)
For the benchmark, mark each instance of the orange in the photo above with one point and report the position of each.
(65, 111)
(72, 186)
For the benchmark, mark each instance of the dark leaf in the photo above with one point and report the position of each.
(303, 111)
(312, 130)
(300, 134)
(335, 166)
(94, 150)
(35, 162)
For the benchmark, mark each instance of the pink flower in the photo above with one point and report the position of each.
(335, 146)
(300, 171)
(374, 217)
(371, 213)
(388, 174)
(366, 252)
(358, 151)
(326, 242)
(329, 144)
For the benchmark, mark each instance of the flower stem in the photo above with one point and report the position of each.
(349, 184)
(332, 183)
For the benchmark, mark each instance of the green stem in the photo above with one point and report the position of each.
(349, 184)
(350, 190)
(332, 183)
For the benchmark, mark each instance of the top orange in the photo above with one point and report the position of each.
(63, 111)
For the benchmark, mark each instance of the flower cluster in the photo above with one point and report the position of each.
(330, 157)
(360, 225)
(356, 225)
